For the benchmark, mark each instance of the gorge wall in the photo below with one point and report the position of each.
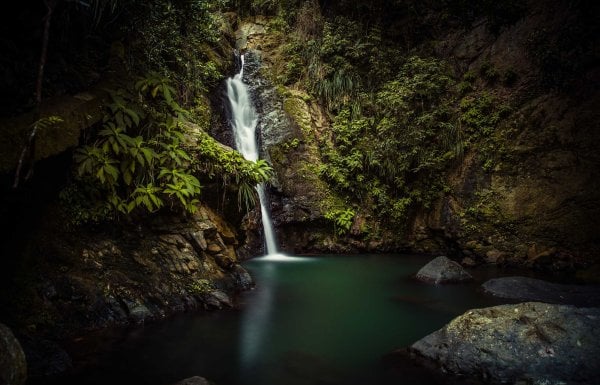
(525, 194)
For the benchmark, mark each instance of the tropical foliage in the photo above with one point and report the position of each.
(400, 116)
(141, 159)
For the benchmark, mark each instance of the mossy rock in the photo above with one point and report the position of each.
(77, 113)
(298, 111)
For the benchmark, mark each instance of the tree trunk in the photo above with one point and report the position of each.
(28, 150)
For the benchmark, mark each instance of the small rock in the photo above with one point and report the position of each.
(242, 277)
(443, 270)
(214, 248)
(472, 245)
(13, 367)
(468, 261)
(196, 380)
(198, 241)
(223, 261)
(495, 256)
(217, 299)
(136, 310)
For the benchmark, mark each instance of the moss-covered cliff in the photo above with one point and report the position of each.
(435, 130)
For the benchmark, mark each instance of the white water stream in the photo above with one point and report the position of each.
(243, 122)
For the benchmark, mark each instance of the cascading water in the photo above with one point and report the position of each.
(243, 122)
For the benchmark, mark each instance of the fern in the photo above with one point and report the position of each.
(342, 220)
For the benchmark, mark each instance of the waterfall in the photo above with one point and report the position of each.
(243, 122)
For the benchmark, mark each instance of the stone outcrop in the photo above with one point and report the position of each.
(529, 342)
(77, 113)
(531, 289)
(129, 274)
(443, 270)
(169, 264)
(13, 368)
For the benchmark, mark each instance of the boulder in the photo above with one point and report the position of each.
(217, 299)
(196, 380)
(530, 342)
(13, 367)
(443, 270)
(243, 279)
(531, 289)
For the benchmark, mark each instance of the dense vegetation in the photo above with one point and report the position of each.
(400, 117)
(150, 151)
(402, 114)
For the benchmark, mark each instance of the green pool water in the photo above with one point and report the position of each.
(310, 320)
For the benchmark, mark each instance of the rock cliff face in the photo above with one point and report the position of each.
(290, 126)
(539, 203)
(287, 125)
(90, 280)
(531, 198)
(75, 282)
(59, 279)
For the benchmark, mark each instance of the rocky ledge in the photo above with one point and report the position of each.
(530, 342)
(170, 265)
(531, 289)
(92, 279)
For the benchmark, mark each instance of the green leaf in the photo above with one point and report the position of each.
(130, 206)
(112, 171)
(127, 177)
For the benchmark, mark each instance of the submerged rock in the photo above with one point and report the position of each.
(531, 289)
(13, 367)
(532, 341)
(443, 270)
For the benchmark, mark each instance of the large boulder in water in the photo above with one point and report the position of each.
(13, 367)
(531, 289)
(443, 270)
(531, 342)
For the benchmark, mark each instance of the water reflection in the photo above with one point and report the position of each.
(326, 321)
(255, 321)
